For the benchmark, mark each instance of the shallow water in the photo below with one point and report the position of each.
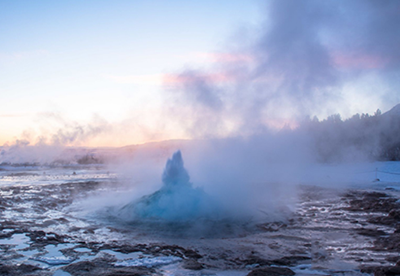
(319, 228)
(39, 175)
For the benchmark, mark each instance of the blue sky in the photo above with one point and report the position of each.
(125, 72)
(81, 58)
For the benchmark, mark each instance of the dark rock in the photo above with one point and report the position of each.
(124, 272)
(6, 270)
(101, 267)
(384, 220)
(192, 265)
(390, 243)
(62, 220)
(395, 270)
(46, 238)
(158, 249)
(27, 268)
(6, 235)
(36, 236)
(382, 270)
(126, 248)
(80, 267)
(189, 253)
(395, 214)
(16, 270)
(254, 260)
(271, 271)
(272, 226)
(371, 201)
(393, 259)
(290, 260)
(370, 232)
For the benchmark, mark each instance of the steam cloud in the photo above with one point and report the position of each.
(302, 61)
(306, 58)
(50, 145)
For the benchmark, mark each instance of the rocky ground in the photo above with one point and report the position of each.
(331, 232)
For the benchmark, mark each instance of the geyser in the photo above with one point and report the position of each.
(177, 200)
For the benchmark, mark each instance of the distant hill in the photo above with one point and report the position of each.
(394, 112)
(156, 150)
(375, 137)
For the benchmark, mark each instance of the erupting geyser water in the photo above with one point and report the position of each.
(177, 200)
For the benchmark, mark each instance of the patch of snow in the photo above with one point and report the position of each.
(54, 260)
(149, 262)
(122, 256)
(83, 250)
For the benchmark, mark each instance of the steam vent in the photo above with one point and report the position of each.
(177, 200)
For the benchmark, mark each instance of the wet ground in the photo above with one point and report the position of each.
(352, 231)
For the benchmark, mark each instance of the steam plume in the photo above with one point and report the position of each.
(307, 58)
(177, 200)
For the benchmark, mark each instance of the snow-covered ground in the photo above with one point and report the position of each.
(37, 175)
(41, 225)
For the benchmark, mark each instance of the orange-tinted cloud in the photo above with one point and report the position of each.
(358, 61)
(210, 77)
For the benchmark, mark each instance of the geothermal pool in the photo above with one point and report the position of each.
(50, 225)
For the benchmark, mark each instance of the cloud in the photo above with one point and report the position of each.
(13, 115)
(225, 57)
(358, 61)
(189, 77)
(48, 142)
(374, 30)
(298, 63)
(150, 79)
(54, 129)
